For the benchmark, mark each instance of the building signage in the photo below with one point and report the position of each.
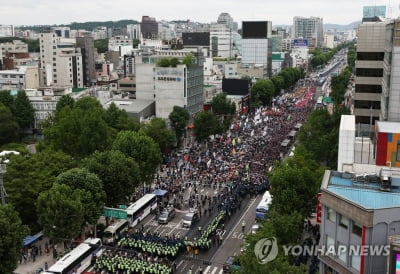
(300, 42)
(115, 213)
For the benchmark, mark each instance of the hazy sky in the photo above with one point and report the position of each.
(49, 12)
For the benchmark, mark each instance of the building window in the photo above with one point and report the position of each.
(329, 241)
(342, 252)
(331, 215)
(355, 262)
(356, 229)
(344, 222)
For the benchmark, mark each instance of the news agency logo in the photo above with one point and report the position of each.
(266, 250)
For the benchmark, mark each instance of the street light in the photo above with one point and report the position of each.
(2, 190)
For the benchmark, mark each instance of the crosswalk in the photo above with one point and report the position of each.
(213, 270)
(210, 269)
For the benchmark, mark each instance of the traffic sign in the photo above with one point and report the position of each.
(115, 213)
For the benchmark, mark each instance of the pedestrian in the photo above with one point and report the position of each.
(46, 266)
(243, 226)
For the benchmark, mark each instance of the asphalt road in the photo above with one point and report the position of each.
(212, 261)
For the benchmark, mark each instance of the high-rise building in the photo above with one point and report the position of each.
(225, 19)
(61, 63)
(369, 73)
(86, 44)
(149, 27)
(133, 31)
(256, 43)
(309, 28)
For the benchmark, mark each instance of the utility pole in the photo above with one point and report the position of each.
(2, 190)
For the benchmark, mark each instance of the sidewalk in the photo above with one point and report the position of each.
(30, 267)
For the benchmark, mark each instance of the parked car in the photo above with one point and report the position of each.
(166, 215)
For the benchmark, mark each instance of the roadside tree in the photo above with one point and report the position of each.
(118, 172)
(12, 232)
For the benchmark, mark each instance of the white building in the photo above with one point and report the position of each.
(221, 41)
(133, 31)
(329, 41)
(7, 31)
(309, 28)
(44, 102)
(21, 78)
(61, 63)
(99, 33)
(121, 44)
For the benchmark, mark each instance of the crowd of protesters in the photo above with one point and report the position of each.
(233, 164)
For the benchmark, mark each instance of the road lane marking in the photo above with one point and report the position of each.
(214, 270)
(233, 229)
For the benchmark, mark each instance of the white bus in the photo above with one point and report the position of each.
(141, 208)
(112, 231)
(79, 259)
(263, 206)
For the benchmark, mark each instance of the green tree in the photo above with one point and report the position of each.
(118, 119)
(65, 100)
(29, 175)
(188, 60)
(90, 189)
(262, 92)
(173, 62)
(221, 105)
(279, 83)
(206, 124)
(294, 184)
(7, 99)
(101, 45)
(179, 118)
(60, 212)
(118, 172)
(79, 131)
(158, 131)
(8, 126)
(24, 111)
(12, 233)
(143, 149)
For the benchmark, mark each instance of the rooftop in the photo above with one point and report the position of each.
(367, 193)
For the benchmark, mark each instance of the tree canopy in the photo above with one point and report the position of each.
(158, 131)
(79, 131)
(143, 149)
(262, 92)
(221, 105)
(206, 124)
(60, 212)
(179, 118)
(8, 126)
(23, 110)
(29, 175)
(118, 172)
(90, 190)
(12, 233)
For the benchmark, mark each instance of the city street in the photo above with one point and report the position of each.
(213, 260)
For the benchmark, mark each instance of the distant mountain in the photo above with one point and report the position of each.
(342, 27)
(330, 26)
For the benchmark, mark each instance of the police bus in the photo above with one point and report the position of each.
(79, 259)
(141, 209)
(111, 233)
(263, 207)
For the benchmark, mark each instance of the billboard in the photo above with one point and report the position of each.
(255, 29)
(196, 38)
(373, 11)
(236, 86)
(300, 42)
